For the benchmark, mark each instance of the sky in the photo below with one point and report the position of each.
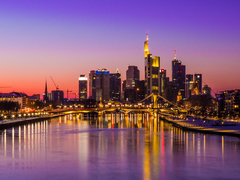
(66, 38)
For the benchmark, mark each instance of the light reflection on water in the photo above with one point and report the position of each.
(115, 146)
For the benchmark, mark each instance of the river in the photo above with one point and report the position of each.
(115, 147)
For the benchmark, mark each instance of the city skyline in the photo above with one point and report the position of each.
(64, 40)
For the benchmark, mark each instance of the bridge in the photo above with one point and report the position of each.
(124, 108)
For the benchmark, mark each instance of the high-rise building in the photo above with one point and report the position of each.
(163, 83)
(115, 86)
(58, 96)
(178, 77)
(82, 87)
(99, 85)
(130, 84)
(152, 71)
(198, 78)
(189, 85)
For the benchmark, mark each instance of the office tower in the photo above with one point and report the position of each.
(99, 85)
(152, 71)
(132, 75)
(198, 78)
(115, 86)
(45, 97)
(189, 85)
(178, 77)
(57, 96)
(163, 83)
(206, 90)
(197, 84)
(82, 87)
(130, 85)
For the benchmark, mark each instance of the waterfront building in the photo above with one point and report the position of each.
(99, 85)
(189, 85)
(21, 98)
(115, 86)
(82, 87)
(152, 71)
(58, 96)
(178, 77)
(229, 102)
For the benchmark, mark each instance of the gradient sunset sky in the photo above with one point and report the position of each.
(64, 39)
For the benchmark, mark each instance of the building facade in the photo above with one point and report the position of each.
(178, 77)
(58, 96)
(82, 84)
(189, 85)
(99, 85)
(152, 71)
(115, 86)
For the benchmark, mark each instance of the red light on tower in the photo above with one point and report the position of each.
(162, 70)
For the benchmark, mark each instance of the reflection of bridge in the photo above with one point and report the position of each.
(125, 108)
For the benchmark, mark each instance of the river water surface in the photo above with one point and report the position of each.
(115, 147)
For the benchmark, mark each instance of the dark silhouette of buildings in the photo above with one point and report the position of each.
(115, 86)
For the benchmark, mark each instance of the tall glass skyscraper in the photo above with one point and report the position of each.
(152, 71)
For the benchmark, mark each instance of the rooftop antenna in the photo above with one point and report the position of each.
(175, 57)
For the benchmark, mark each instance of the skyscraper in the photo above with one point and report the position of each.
(152, 71)
(82, 87)
(189, 85)
(99, 85)
(130, 85)
(198, 78)
(115, 86)
(163, 83)
(178, 77)
(197, 85)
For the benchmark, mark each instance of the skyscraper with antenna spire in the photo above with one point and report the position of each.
(152, 71)
(178, 77)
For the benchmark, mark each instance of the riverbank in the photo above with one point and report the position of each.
(206, 126)
(8, 123)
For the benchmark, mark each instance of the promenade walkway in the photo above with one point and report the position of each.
(230, 128)
(7, 123)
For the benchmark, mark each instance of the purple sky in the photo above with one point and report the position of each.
(64, 39)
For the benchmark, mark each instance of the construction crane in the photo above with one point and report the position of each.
(54, 83)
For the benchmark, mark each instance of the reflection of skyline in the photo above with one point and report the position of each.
(86, 150)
